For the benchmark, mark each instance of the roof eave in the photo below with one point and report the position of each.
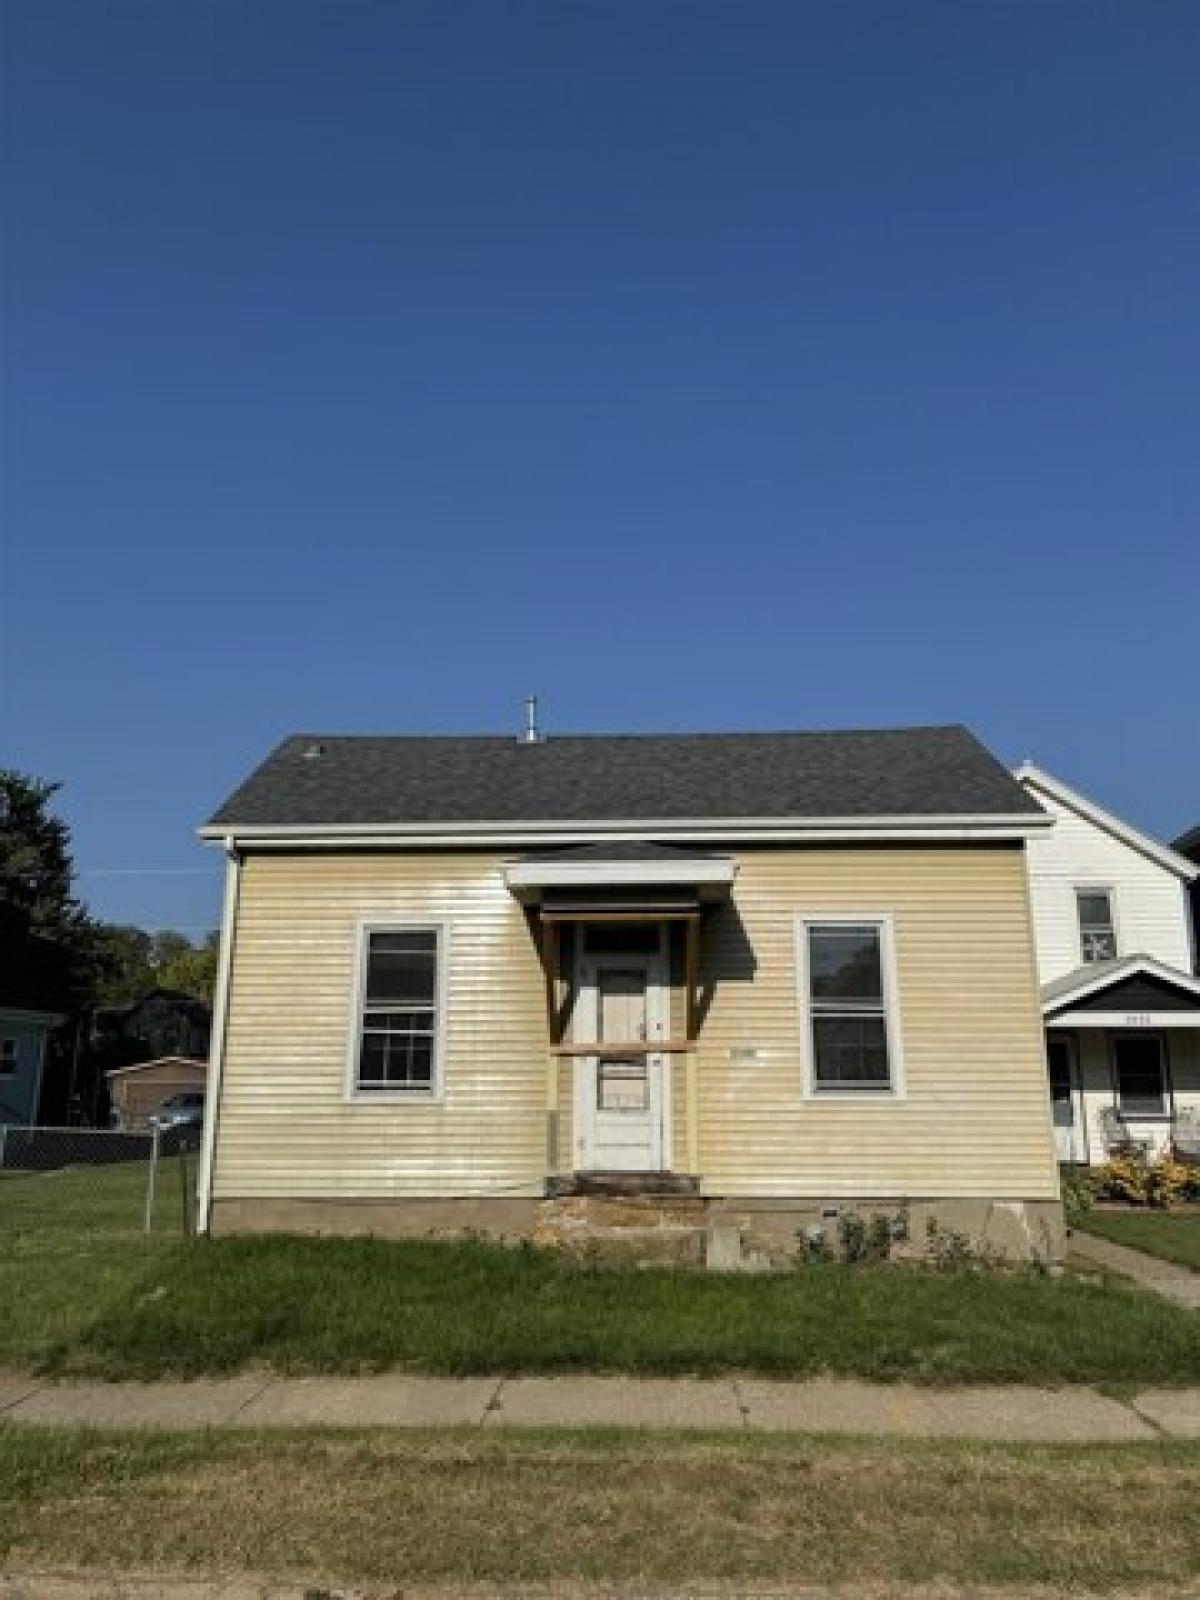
(1161, 854)
(1063, 999)
(964, 827)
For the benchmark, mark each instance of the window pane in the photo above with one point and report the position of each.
(401, 968)
(1140, 1077)
(1096, 935)
(398, 1021)
(1095, 911)
(850, 1052)
(844, 963)
(396, 1061)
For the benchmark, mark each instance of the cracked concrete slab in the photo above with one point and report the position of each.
(387, 1400)
(202, 1403)
(586, 1402)
(828, 1405)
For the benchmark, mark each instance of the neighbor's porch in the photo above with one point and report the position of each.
(1123, 1055)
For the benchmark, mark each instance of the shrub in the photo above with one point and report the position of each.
(870, 1240)
(1078, 1193)
(1139, 1181)
(949, 1250)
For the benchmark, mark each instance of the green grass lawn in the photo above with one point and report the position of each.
(105, 1198)
(153, 1308)
(601, 1509)
(1174, 1236)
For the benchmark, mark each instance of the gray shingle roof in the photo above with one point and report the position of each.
(622, 850)
(901, 772)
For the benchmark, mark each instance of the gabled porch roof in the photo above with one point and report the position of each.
(1134, 991)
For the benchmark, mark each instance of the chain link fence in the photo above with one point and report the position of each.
(97, 1181)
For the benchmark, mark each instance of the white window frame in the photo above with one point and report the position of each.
(396, 1095)
(9, 1062)
(1167, 1109)
(1110, 891)
(897, 1088)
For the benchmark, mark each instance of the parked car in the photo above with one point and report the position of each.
(180, 1111)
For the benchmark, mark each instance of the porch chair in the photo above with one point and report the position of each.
(1118, 1141)
(1185, 1138)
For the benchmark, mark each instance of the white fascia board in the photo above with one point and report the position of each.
(709, 830)
(159, 1061)
(1162, 855)
(1126, 1021)
(1118, 974)
(606, 874)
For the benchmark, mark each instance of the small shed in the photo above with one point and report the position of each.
(137, 1091)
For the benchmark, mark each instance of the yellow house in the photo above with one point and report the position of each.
(489, 983)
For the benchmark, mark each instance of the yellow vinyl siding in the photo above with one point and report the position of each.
(286, 1126)
(975, 1119)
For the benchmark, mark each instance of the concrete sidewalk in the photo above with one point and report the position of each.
(1173, 1282)
(396, 1400)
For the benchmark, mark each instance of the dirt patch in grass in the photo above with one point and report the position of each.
(597, 1508)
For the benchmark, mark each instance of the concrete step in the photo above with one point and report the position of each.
(623, 1183)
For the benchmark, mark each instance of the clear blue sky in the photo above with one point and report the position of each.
(370, 364)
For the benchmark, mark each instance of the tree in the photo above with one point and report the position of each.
(36, 869)
(190, 968)
(132, 962)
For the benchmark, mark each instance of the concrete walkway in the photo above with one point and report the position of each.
(1173, 1282)
(396, 1400)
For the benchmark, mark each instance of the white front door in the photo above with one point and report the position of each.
(619, 1099)
(1065, 1100)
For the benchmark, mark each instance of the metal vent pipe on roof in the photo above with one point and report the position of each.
(532, 734)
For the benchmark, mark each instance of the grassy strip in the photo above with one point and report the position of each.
(1168, 1235)
(52, 1288)
(109, 1198)
(344, 1305)
(459, 1507)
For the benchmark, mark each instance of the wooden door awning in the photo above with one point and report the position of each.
(636, 868)
(631, 881)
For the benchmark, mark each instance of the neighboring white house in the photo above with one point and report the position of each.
(1116, 962)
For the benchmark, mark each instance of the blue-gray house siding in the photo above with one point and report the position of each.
(23, 1037)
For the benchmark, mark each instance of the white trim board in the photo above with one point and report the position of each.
(212, 1100)
(1162, 855)
(966, 828)
(1125, 1021)
(628, 874)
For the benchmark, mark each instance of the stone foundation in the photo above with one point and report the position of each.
(693, 1230)
(778, 1231)
(509, 1217)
